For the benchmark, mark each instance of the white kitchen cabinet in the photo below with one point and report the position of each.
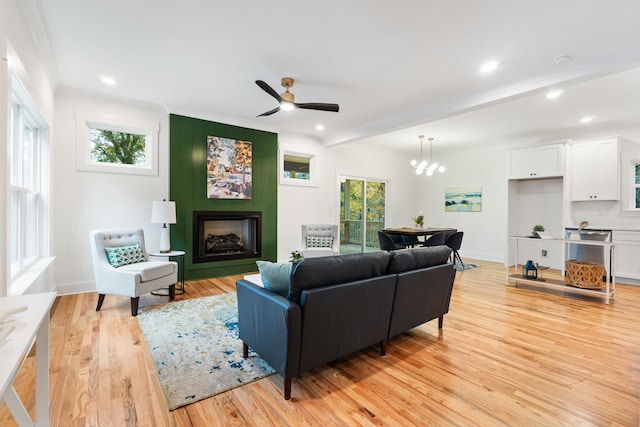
(595, 170)
(627, 260)
(537, 162)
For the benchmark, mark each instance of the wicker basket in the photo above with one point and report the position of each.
(584, 274)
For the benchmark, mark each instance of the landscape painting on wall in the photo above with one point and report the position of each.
(463, 199)
(229, 165)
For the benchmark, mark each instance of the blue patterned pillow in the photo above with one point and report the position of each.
(319, 241)
(124, 255)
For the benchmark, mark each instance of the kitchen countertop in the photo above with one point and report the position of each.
(612, 228)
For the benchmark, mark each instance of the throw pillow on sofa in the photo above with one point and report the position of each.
(275, 276)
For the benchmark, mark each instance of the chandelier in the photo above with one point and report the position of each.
(428, 167)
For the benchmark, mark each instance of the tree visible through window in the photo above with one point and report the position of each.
(109, 146)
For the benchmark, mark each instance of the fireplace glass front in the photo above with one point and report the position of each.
(226, 235)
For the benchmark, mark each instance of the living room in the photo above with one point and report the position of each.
(82, 200)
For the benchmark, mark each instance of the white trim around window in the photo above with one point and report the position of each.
(309, 179)
(87, 120)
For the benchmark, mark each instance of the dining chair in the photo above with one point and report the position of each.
(410, 240)
(454, 241)
(387, 243)
(435, 239)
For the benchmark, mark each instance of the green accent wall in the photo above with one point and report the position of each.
(188, 188)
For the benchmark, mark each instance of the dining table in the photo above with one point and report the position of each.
(419, 231)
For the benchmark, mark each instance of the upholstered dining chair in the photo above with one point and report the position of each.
(454, 241)
(387, 243)
(436, 239)
(320, 240)
(122, 267)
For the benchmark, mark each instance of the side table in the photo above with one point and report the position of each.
(180, 256)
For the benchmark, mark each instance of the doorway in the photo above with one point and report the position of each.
(363, 206)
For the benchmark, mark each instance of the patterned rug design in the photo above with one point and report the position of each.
(467, 266)
(195, 348)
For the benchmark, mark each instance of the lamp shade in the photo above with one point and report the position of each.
(163, 212)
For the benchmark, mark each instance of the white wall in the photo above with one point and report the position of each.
(84, 201)
(299, 205)
(485, 232)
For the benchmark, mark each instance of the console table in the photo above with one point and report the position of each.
(609, 290)
(31, 326)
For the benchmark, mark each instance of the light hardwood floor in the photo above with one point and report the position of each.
(506, 356)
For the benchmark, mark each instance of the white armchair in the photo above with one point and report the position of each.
(320, 240)
(122, 267)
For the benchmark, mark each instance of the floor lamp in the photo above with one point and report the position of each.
(164, 213)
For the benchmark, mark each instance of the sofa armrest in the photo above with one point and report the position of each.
(271, 325)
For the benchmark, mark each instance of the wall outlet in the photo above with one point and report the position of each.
(544, 252)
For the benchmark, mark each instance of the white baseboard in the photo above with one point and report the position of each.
(75, 288)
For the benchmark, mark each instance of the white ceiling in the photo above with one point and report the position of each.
(397, 69)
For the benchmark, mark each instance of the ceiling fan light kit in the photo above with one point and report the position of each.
(424, 166)
(286, 100)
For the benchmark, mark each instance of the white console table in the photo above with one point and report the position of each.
(31, 326)
(607, 292)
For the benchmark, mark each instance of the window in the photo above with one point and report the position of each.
(298, 168)
(117, 144)
(362, 213)
(27, 133)
(636, 184)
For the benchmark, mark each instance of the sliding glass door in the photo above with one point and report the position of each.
(362, 213)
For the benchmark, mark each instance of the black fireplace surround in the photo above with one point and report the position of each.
(226, 235)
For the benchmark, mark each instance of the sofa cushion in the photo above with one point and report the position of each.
(275, 276)
(123, 255)
(150, 270)
(413, 259)
(313, 273)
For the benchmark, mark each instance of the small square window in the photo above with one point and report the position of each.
(298, 168)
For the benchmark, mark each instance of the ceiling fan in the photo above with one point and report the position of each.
(287, 99)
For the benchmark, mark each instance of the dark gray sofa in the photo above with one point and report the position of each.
(339, 305)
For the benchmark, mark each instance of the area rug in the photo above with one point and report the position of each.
(467, 266)
(195, 348)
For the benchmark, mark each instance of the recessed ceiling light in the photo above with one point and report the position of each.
(108, 80)
(561, 59)
(552, 94)
(319, 127)
(489, 66)
(586, 119)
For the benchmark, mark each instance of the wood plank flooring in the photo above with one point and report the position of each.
(506, 356)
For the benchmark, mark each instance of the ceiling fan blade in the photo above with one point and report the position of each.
(265, 87)
(270, 112)
(319, 106)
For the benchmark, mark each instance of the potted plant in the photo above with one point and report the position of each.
(418, 220)
(536, 228)
(295, 256)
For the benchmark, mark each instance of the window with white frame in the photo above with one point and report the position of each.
(25, 179)
(116, 144)
(636, 184)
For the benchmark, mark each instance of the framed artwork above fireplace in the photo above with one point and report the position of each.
(229, 168)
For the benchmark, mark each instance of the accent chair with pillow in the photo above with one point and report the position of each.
(320, 240)
(122, 267)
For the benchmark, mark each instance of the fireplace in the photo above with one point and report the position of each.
(226, 235)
